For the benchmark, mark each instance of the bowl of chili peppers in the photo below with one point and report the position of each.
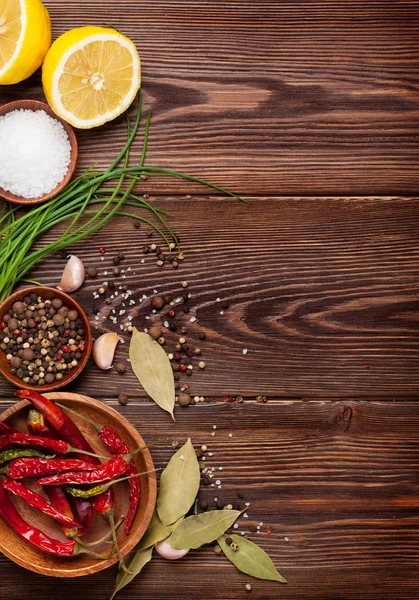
(45, 339)
(77, 484)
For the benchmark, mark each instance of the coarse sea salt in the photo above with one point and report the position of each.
(35, 153)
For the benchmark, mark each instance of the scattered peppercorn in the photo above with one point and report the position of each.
(121, 367)
(184, 283)
(101, 291)
(201, 364)
(123, 399)
(217, 549)
(137, 224)
(157, 302)
(155, 332)
(234, 546)
(161, 341)
(184, 399)
(116, 260)
(92, 271)
(229, 541)
(225, 304)
(248, 587)
(202, 335)
(121, 255)
(171, 313)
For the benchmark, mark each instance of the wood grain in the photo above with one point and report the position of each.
(339, 480)
(323, 294)
(267, 98)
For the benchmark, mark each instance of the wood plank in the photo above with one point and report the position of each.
(339, 480)
(323, 294)
(272, 98)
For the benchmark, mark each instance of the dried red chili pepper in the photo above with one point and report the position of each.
(62, 424)
(38, 467)
(26, 439)
(82, 510)
(115, 467)
(6, 429)
(116, 445)
(57, 497)
(36, 501)
(35, 536)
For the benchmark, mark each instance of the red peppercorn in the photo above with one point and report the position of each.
(171, 313)
(16, 331)
(102, 250)
(80, 347)
(58, 356)
(66, 348)
(3, 324)
(66, 331)
(183, 368)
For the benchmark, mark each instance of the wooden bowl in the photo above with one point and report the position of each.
(35, 105)
(24, 554)
(48, 294)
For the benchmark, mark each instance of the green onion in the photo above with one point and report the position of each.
(88, 202)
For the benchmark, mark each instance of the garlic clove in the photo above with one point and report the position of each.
(169, 552)
(104, 350)
(73, 275)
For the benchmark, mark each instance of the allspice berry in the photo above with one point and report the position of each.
(155, 332)
(121, 367)
(92, 272)
(157, 302)
(184, 399)
(123, 399)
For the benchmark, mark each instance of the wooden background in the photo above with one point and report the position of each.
(309, 109)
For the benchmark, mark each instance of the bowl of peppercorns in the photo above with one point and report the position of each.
(45, 339)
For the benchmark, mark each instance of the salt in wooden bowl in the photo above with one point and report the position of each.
(35, 105)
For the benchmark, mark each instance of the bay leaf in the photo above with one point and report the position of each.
(179, 485)
(135, 561)
(151, 365)
(250, 558)
(197, 530)
(156, 532)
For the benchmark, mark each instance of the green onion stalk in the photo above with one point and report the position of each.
(88, 202)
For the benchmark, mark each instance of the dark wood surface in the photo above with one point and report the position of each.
(310, 110)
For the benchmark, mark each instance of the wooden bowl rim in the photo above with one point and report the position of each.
(36, 105)
(71, 375)
(134, 537)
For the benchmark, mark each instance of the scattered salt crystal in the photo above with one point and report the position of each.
(213, 434)
(245, 351)
(258, 527)
(242, 533)
(102, 258)
(217, 482)
(192, 319)
(245, 516)
(166, 324)
(142, 261)
(261, 523)
(220, 468)
(247, 504)
(215, 499)
(210, 454)
(287, 539)
(34, 153)
(235, 526)
(230, 435)
(105, 273)
(182, 457)
(218, 300)
(214, 426)
(221, 312)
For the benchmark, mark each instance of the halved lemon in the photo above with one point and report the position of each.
(25, 36)
(91, 75)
